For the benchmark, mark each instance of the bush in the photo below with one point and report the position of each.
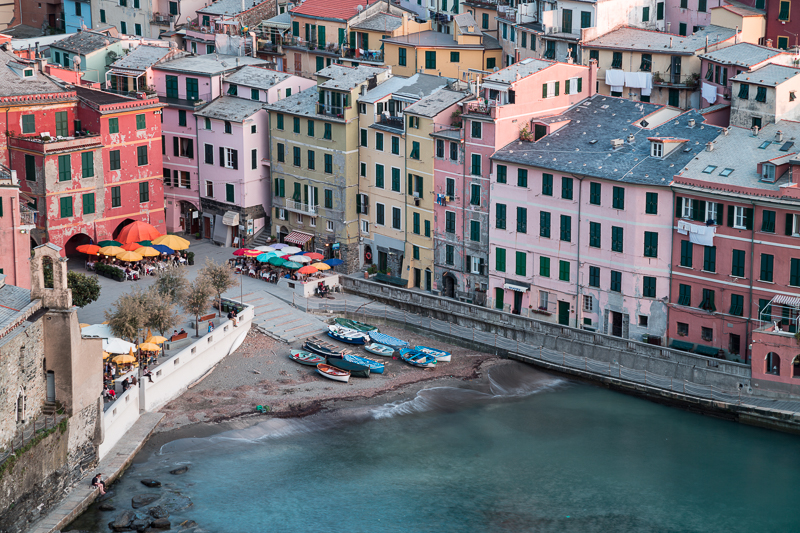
(85, 289)
(190, 257)
(109, 271)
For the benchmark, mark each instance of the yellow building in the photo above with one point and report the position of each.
(422, 119)
(382, 154)
(314, 141)
(485, 14)
(443, 54)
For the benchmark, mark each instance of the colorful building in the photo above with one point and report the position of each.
(87, 51)
(77, 15)
(765, 96)
(223, 27)
(17, 220)
(314, 138)
(582, 217)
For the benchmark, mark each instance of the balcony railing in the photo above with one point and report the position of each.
(364, 55)
(47, 145)
(162, 19)
(676, 80)
(481, 108)
(509, 14)
(330, 110)
(390, 121)
(268, 47)
(27, 216)
(170, 98)
(298, 207)
(298, 42)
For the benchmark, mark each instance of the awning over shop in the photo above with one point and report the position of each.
(512, 287)
(298, 237)
(231, 218)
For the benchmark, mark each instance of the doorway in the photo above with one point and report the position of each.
(449, 286)
(563, 313)
(616, 323)
(517, 309)
(383, 261)
(674, 98)
(206, 227)
(51, 386)
(417, 278)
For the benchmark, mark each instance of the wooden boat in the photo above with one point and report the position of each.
(386, 340)
(440, 355)
(306, 358)
(346, 335)
(375, 367)
(355, 324)
(415, 358)
(325, 349)
(335, 374)
(379, 349)
(355, 369)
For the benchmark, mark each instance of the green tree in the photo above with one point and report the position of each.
(162, 314)
(197, 299)
(171, 283)
(128, 315)
(219, 278)
(85, 289)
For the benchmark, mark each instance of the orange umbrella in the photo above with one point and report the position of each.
(308, 269)
(138, 231)
(131, 246)
(90, 249)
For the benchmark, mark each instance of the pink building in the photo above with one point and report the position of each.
(508, 100)
(233, 137)
(185, 85)
(736, 246)
(684, 17)
(16, 222)
(582, 217)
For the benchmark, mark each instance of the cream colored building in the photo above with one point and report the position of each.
(382, 155)
(314, 163)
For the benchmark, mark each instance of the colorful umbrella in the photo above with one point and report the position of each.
(333, 262)
(138, 231)
(291, 264)
(291, 250)
(300, 259)
(315, 256)
(149, 347)
(163, 249)
(124, 359)
(90, 249)
(243, 251)
(84, 325)
(277, 261)
(145, 243)
(265, 256)
(111, 250)
(157, 339)
(265, 248)
(147, 251)
(131, 246)
(103, 244)
(106, 355)
(173, 241)
(129, 256)
(279, 246)
(308, 269)
(321, 266)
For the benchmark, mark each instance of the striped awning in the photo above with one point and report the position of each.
(516, 288)
(298, 237)
(782, 299)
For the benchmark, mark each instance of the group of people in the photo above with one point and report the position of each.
(109, 375)
(135, 270)
(267, 272)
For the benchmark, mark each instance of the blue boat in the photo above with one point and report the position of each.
(356, 369)
(440, 355)
(419, 359)
(376, 367)
(346, 338)
(386, 340)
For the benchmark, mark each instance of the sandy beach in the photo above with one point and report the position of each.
(260, 372)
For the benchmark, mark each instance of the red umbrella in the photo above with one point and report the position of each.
(90, 249)
(308, 269)
(245, 251)
(138, 231)
(314, 255)
(131, 247)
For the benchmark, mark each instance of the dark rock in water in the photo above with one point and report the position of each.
(181, 470)
(107, 496)
(151, 483)
(106, 507)
(140, 500)
(175, 501)
(186, 524)
(160, 523)
(158, 512)
(123, 520)
(139, 525)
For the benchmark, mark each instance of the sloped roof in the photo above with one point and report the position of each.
(141, 58)
(12, 84)
(435, 103)
(379, 22)
(344, 78)
(628, 38)
(229, 7)
(743, 54)
(769, 75)
(231, 108)
(256, 77)
(339, 9)
(84, 42)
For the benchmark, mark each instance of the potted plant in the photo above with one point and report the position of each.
(197, 235)
(525, 134)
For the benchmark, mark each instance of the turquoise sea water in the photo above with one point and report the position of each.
(529, 452)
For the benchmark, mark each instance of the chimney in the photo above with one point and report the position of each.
(726, 131)
(709, 147)
(691, 123)
(670, 42)
(755, 131)
(592, 79)
(669, 24)
(778, 136)
(631, 137)
(706, 49)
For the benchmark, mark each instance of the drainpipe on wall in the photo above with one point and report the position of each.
(671, 244)
(578, 306)
(752, 274)
(197, 153)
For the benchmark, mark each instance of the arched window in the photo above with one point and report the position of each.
(773, 364)
(796, 367)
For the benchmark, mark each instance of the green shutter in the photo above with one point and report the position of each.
(500, 259)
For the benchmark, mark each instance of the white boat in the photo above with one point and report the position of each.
(440, 355)
(333, 373)
(379, 349)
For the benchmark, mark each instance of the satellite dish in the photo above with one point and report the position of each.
(495, 69)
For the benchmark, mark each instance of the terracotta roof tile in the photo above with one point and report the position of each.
(340, 9)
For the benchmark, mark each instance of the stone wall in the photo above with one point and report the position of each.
(666, 362)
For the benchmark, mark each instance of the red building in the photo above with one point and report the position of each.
(90, 161)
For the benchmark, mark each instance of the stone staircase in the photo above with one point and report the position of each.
(49, 408)
(286, 323)
(261, 238)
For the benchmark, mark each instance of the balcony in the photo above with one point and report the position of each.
(162, 19)
(268, 47)
(570, 32)
(486, 108)
(27, 217)
(330, 110)
(390, 121)
(375, 56)
(677, 81)
(176, 100)
(297, 42)
(508, 14)
(297, 207)
(51, 145)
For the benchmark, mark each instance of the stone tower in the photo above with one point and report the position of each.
(59, 297)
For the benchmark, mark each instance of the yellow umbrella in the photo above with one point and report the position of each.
(105, 354)
(147, 251)
(156, 339)
(129, 256)
(321, 266)
(149, 347)
(84, 325)
(172, 241)
(124, 359)
(111, 250)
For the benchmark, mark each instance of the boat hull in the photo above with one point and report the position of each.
(321, 350)
(440, 355)
(375, 367)
(347, 340)
(418, 359)
(306, 358)
(355, 369)
(355, 324)
(333, 373)
(383, 351)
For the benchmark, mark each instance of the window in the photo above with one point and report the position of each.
(551, 89)
(29, 121)
(280, 188)
(594, 277)
(210, 189)
(616, 281)
(103, 15)
(712, 212)
(475, 194)
(744, 91)
(229, 158)
(87, 164)
(566, 228)
(395, 145)
(768, 221)
(686, 253)
(363, 137)
(522, 220)
(62, 129)
(761, 94)
(766, 267)
(521, 264)
(648, 287)
(64, 168)
(544, 266)
(144, 192)
(708, 301)
(328, 164)
(701, 5)
(395, 179)
(66, 206)
(544, 224)
(618, 201)
(440, 148)
(295, 126)
(737, 304)
(651, 203)
(311, 160)
(455, 57)
(141, 121)
(650, 244)
(450, 222)
(547, 184)
(710, 258)
(586, 19)
(279, 121)
(328, 199)
(430, 59)
(413, 122)
(594, 193)
(563, 270)
(415, 223)
(502, 172)
(379, 141)
(740, 217)
(296, 156)
(764, 310)
(379, 176)
(329, 225)
(794, 273)
(327, 133)
(683, 329)
(254, 94)
(616, 60)
(88, 203)
(450, 187)
(281, 153)
(645, 14)
(233, 90)
(476, 129)
(500, 259)
(657, 149)
(594, 234)
(498, 296)
(141, 155)
(682, 28)
(785, 6)
(401, 57)
(192, 92)
(737, 263)
(30, 167)
(254, 159)
(685, 295)
(229, 193)
(522, 178)
(616, 239)
(414, 150)
(475, 230)
(475, 168)
(182, 117)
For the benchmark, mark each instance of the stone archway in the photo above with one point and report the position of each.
(126, 222)
(448, 285)
(70, 247)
